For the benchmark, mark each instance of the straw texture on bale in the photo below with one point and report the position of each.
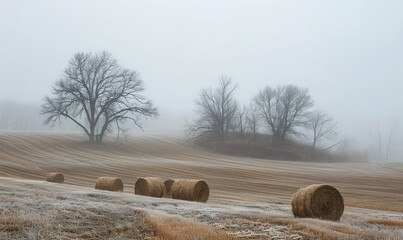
(109, 183)
(168, 185)
(150, 186)
(318, 201)
(55, 177)
(187, 189)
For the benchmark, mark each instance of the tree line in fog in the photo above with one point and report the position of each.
(98, 96)
(285, 113)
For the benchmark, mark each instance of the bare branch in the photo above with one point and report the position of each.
(284, 110)
(215, 111)
(96, 85)
(322, 127)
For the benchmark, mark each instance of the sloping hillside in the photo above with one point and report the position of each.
(230, 178)
(249, 198)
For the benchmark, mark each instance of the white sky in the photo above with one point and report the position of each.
(348, 53)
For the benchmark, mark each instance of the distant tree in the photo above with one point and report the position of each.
(348, 150)
(284, 110)
(384, 141)
(94, 92)
(215, 110)
(322, 126)
(241, 122)
(253, 120)
(19, 116)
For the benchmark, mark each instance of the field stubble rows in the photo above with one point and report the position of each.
(249, 198)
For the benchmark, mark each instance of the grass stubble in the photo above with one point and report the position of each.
(39, 210)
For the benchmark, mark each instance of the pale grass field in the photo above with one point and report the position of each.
(249, 198)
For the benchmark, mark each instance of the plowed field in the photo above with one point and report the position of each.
(370, 191)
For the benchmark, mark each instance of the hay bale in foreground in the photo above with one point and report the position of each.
(150, 186)
(318, 201)
(187, 189)
(109, 183)
(55, 177)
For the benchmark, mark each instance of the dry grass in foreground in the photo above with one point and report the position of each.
(175, 228)
(42, 210)
(71, 222)
(319, 229)
(386, 222)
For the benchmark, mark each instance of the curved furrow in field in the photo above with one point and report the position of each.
(31, 156)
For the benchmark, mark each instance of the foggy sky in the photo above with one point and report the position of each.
(348, 53)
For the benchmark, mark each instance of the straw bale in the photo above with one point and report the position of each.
(55, 177)
(318, 201)
(109, 183)
(168, 185)
(187, 189)
(150, 186)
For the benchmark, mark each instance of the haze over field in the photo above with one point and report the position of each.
(185, 120)
(348, 53)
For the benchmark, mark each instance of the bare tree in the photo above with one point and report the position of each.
(94, 92)
(284, 110)
(241, 122)
(384, 143)
(253, 120)
(322, 127)
(215, 110)
(389, 141)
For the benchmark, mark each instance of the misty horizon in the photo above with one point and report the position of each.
(346, 53)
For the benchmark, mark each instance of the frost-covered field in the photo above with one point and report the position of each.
(40, 210)
(249, 198)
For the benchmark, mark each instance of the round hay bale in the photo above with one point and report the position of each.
(150, 186)
(109, 183)
(168, 185)
(55, 177)
(318, 201)
(188, 189)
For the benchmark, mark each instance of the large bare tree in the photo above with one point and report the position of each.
(94, 92)
(215, 110)
(284, 110)
(322, 126)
